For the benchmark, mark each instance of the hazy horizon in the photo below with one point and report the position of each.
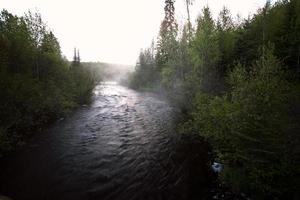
(114, 31)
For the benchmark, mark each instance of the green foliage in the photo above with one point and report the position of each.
(205, 53)
(282, 32)
(83, 80)
(227, 38)
(36, 84)
(145, 75)
(252, 128)
(237, 91)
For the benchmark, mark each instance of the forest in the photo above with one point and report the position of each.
(233, 84)
(37, 84)
(236, 83)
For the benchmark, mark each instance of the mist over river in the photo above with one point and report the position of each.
(122, 146)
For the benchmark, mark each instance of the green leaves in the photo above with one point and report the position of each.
(246, 126)
(36, 83)
(238, 85)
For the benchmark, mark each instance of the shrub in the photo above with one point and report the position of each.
(253, 128)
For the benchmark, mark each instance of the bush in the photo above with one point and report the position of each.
(253, 128)
(37, 85)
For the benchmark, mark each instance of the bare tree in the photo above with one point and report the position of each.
(188, 3)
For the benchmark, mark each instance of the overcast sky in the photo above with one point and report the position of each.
(114, 30)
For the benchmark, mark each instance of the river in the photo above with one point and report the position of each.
(122, 146)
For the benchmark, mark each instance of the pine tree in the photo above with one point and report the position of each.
(167, 35)
(205, 53)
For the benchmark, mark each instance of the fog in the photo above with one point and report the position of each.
(208, 111)
(109, 72)
(114, 31)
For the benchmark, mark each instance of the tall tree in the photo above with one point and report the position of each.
(205, 53)
(226, 38)
(188, 3)
(167, 35)
(37, 29)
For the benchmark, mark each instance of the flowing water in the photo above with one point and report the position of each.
(122, 146)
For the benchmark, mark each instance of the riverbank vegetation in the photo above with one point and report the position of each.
(237, 84)
(37, 84)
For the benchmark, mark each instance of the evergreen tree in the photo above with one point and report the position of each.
(226, 40)
(167, 35)
(36, 83)
(237, 92)
(206, 54)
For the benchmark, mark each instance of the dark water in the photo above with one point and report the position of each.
(123, 146)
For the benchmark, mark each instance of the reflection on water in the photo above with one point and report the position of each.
(122, 146)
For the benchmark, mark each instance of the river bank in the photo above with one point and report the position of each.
(122, 146)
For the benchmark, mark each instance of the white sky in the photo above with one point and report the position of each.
(114, 30)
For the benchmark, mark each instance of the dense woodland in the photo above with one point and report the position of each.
(37, 84)
(237, 85)
(235, 81)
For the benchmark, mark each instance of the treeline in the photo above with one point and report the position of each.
(237, 84)
(111, 71)
(37, 84)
